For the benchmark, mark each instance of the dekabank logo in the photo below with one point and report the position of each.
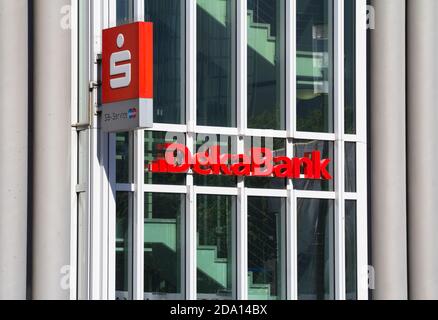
(132, 113)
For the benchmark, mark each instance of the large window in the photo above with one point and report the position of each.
(216, 246)
(266, 64)
(163, 243)
(212, 233)
(315, 112)
(216, 63)
(316, 258)
(266, 255)
(169, 31)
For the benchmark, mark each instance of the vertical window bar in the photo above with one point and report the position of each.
(291, 48)
(112, 184)
(138, 272)
(112, 9)
(191, 97)
(191, 64)
(75, 45)
(242, 66)
(191, 244)
(98, 159)
(241, 95)
(361, 126)
(340, 147)
(191, 230)
(291, 219)
(242, 232)
(291, 232)
(112, 219)
(138, 10)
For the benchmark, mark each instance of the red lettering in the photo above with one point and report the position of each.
(284, 169)
(262, 164)
(307, 164)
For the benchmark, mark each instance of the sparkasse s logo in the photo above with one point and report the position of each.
(120, 66)
(127, 63)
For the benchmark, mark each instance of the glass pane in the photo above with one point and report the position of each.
(228, 145)
(168, 59)
(351, 249)
(350, 67)
(215, 250)
(215, 68)
(154, 146)
(350, 167)
(315, 66)
(125, 11)
(163, 243)
(278, 147)
(266, 280)
(316, 265)
(123, 246)
(266, 67)
(303, 148)
(123, 174)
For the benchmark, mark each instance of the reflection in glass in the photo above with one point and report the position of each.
(168, 59)
(266, 67)
(351, 249)
(163, 243)
(215, 69)
(304, 148)
(314, 66)
(228, 145)
(155, 146)
(350, 167)
(266, 280)
(350, 67)
(122, 158)
(123, 245)
(215, 248)
(125, 11)
(278, 148)
(316, 249)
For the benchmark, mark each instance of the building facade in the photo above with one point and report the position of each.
(82, 215)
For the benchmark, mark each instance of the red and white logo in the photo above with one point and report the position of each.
(120, 66)
(127, 62)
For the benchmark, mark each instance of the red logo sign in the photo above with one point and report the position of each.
(259, 163)
(127, 62)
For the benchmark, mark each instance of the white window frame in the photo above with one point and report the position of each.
(103, 186)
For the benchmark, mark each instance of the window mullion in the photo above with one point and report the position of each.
(242, 66)
(138, 214)
(291, 77)
(338, 20)
(361, 114)
(191, 56)
(139, 10)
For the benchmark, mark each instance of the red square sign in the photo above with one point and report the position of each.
(127, 63)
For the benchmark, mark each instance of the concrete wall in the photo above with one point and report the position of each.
(52, 150)
(13, 147)
(423, 148)
(387, 124)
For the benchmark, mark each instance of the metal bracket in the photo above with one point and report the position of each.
(92, 86)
